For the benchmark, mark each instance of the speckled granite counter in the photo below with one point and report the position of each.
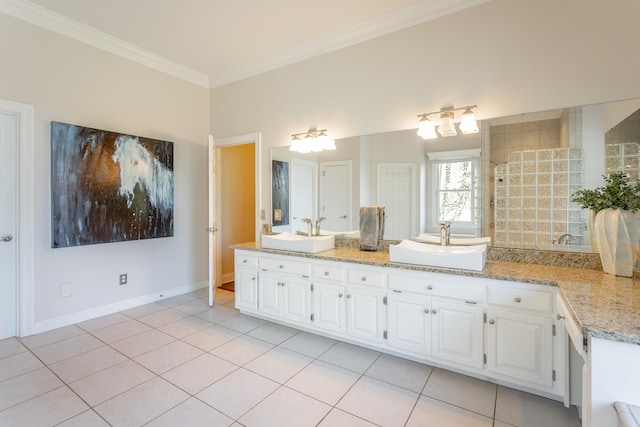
(604, 305)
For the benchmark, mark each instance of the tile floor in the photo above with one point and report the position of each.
(180, 363)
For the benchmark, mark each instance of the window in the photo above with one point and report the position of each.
(454, 191)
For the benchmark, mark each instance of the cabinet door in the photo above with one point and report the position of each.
(246, 289)
(329, 307)
(408, 323)
(269, 294)
(520, 346)
(296, 300)
(457, 333)
(364, 313)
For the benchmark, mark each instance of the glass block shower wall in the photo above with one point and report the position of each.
(623, 158)
(532, 198)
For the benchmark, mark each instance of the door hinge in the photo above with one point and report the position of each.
(312, 289)
(384, 335)
(484, 358)
(585, 344)
(384, 301)
(312, 317)
(553, 375)
(553, 330)
(484, 317)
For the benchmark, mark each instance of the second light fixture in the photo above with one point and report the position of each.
(446, 125)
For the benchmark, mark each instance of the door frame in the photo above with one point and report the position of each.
(249, 138)
(25, 213)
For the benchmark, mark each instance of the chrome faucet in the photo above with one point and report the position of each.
(445, 231)
(566, 238)
(318, 221)
(309, 226)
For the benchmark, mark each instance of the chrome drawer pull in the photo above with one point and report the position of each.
(517, 299)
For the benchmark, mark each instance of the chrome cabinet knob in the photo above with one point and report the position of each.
(340, 295)
(326, 273)
(364, 279)
(491, 321)
(6, 238)
(517, 299)
(560, 317)
(348, 295)
(429, 288)
(433, 311)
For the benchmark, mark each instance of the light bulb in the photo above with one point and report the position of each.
(446, 127)
(426, 129)
(468, 123)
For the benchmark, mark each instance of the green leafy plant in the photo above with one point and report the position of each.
(617, 193)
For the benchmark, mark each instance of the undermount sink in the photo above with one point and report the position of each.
(297, 243)
(454, 240)
(462, 257)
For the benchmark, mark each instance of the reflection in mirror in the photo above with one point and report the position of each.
(577, 133)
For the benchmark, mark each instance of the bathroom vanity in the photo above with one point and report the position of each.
(513, 324)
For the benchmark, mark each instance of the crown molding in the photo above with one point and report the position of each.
(408, 16)
(60, 24)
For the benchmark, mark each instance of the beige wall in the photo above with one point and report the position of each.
(69, 81)
(237, 181)
(507, 56)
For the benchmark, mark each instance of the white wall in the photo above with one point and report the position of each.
(72, 82)
(507, 56)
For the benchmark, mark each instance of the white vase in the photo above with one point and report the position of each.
(615, 231)
(591, 231)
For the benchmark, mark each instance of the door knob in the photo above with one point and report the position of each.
(7, 238)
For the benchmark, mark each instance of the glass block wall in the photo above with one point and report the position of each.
(623, 158)
(532, 198)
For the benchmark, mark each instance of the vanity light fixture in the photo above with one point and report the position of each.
(446, 123)
(311, 140)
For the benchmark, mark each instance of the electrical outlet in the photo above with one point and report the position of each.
(262, 214)
(65, 290)
(123, 279)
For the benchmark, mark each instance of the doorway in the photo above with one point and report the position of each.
(16, 219)
(238, 190)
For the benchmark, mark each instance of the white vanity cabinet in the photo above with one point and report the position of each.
(344, 307)
(520, 333)
(435, 316)
(246, 281)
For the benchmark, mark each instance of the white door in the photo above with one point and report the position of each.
(329, 307)
(335, 195)
(246, 288)
(304, 193)
(397, 192)
(409, 323)
(213, 221)
(364, 313)
(457, 333)
(8, 203)
(296, 302)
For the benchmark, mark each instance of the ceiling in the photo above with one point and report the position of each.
(227, 40)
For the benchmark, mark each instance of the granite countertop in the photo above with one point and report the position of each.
(605, 306)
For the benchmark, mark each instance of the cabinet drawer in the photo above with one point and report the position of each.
(366, 277)
(329, 272)
(438, 286)
(285, 265)
(243, 259)
(526, 299)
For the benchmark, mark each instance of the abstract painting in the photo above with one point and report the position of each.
(108, 187)
(280, 192)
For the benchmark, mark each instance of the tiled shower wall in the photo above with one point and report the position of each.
(532, 199)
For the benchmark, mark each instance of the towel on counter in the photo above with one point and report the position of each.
(371, 227)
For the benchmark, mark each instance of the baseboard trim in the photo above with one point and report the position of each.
(226, 278)
(81, 316)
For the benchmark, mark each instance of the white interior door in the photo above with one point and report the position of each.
(335, 195)
(397, 192)
(304, 193)
(8, 219)
(213, 220)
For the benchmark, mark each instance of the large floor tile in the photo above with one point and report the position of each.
(238, 392)
(323, 381)
(278, 364)
(273, 333)
(110, 382)
(142, 343)
(183, 327)
(103, 322)
(85, 364)
(191, 413)
(378, 402)
(88, 418)
(162, 317)
(463, 391)
(210, 338)
(218, 314)
(242, 350)
(55, 352)
(311, 345)
(27, 386)
(338, 418)
(18, 364)
(11, 346)
(223, 297)
(142, 403)
(120, 331)
(199, 373)
(285, 408)
(349, 356)
(243, 323)
(526, 410)
(193, 307)
(401, 372)
(168, 356)
(46, 409)
(177, 300)
(143, 310)
(50, 337)
(434, 413)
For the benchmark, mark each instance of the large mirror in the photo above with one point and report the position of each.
(398, 170)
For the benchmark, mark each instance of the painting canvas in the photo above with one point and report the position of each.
(280, 191)
(108, 187)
